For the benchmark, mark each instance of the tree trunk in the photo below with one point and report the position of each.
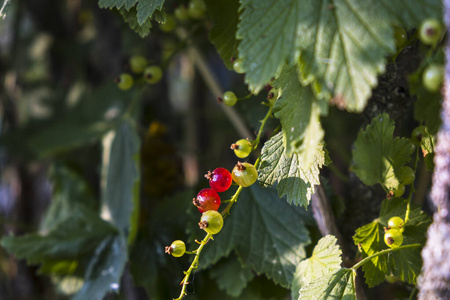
(434, 282)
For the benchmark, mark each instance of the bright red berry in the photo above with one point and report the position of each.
(207, 199)
(219, 180)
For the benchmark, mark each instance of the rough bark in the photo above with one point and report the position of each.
(434, 282)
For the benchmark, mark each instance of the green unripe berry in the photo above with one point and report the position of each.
(124, 81)
(399, 191)
(272, 96)
(244, 174)
(176, 249)
(400, 36)
(138, 64)
(417, 135)
(181, 13)
(395, 223)
(196, 9)
(393, 238)
(153, 74)
(242, 148)
(169, 25)
(229, 98)
(211, 222)
(432, 77)
(238, 67)
(430, 31)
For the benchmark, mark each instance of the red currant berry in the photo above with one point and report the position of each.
(219, 179)
(211, 222)
(244, 174)
(207, 199)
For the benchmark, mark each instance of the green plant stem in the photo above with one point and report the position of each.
(261, 128)
(233, 199)
(383, 252)
(413, 293)
(408, 206)
(193, 266)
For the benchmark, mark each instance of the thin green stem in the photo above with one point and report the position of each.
(408, 206)
(413, 293)
(383, 252)
(193, 266)
(261, 128)
(233, 200)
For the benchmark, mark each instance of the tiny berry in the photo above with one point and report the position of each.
(395, 223)
(244, 174)
(399, 191)
(211, 221)
(432, 77)
(177, 249)
(400, 36)
(138, 64)
(181, 13)
(196, 9)
(207, 199)
(238, 67)
(242, 148)
(153, 74)
(219, 180)
(272, 96)
(169, 25)
(417, 135)
(430, 31)
(229, 98)
(124, 81)
(393, 238)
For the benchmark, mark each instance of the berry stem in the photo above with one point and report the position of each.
(412, 191)
(383, 252)
(193, 266)
(261, 128)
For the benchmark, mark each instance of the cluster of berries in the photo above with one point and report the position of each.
(139, 66)
(208, 200)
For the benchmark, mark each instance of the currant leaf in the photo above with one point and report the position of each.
(294, 180)
(121, 196)
(225, 17)
(145, 9)
(299, 113)
(338, 285)
(325, 259)
(377, 156)
(267, 31)
(269, 245)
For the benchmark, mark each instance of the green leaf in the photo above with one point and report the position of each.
(343, 44)
(79, 234)
(105, 269)
(338, 285)
(224, 15)
(377, 156)
(231, 276)
(70, 190)
(325, 259)
(294, 180)
(130, 17)
(268, 31)
(262, 239)
(299, 113)
(122, 182)
(405, 264)
(146, 9)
